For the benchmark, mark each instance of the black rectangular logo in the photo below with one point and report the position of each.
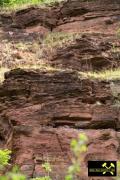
(102, 168)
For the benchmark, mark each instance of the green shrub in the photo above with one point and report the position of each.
(2, 2)
(13, 175)
(48, 169)
(4, 157)
(22, 2)
(78, 146)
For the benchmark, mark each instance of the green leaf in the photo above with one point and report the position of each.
(16, 176)
(4, 157)
(69, 177)
(15, 169)
(83, 148)
(47, 167)
(83, 137)
(73, 143)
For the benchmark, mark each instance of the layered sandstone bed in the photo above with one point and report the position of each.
(42, 110)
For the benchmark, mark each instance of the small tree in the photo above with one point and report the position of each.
(78, 147)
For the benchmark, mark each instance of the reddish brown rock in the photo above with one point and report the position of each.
(89, 16)
(98, 19)
(46, 110)
(57, 99)
(60, 86)
(70, 16)
(53, 144)
(86, 53)
(6, 133)
(41, 111)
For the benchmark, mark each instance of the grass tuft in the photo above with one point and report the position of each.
(103, 75)
(60, 38)
(2, 72)
(19, 4)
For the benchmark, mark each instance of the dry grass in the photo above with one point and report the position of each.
(33, 55)
(59, 39)
(15, 54)
(42, 67)
(103, 75)
(2, 72)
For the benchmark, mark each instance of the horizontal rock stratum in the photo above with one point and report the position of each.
(42, 110)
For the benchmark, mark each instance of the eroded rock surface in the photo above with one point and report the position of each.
(88, 53)
(47, 109)
(42, 110)
(70, 15)
(96, 22)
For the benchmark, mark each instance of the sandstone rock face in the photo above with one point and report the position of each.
(93, 16)
(46, 110)
(87, 53)
(71, 15)
(41, 111)
(96, 22)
